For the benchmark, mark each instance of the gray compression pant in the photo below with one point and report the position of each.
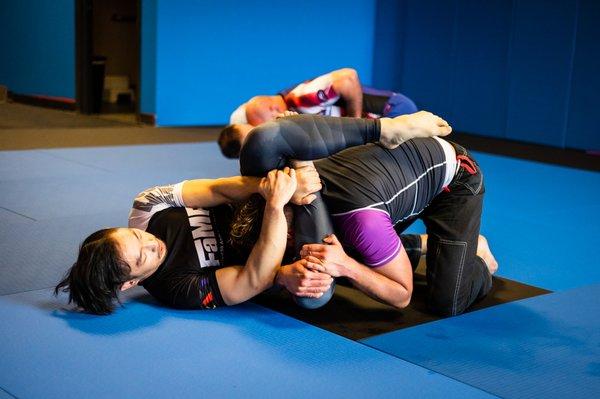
(304, 137)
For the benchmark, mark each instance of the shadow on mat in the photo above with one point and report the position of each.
(121, 321)
(141, 311)
(354, 315)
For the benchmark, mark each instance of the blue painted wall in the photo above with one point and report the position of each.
(37, 43)
(213, 55)
(583, 130)
(520, 69)
(540, 69)
(479, 63)
(523, 69)
(387, 54)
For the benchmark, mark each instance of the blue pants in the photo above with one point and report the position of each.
(386, 103)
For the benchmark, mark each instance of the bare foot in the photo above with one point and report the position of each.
(483, 251)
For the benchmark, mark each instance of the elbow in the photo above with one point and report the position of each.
(349, 74)
(402, 299)
(347, 81)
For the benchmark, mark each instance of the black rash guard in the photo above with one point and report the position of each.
(367, 188)
(197, 245)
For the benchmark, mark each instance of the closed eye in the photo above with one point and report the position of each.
(139, 237)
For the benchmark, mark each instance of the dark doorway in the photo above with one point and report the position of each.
(108, 56)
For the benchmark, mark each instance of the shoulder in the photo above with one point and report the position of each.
(239, 115)
(153, 200)
(371, 233)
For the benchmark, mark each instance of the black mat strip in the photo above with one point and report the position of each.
(353, 315)
(19, 116)
(27, 139)
(532, 152)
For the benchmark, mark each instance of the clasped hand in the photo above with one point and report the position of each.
(312, 275)
(329, 258)
(278, 187)
(304, 181)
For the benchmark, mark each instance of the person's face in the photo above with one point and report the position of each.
(142, 251)
(262, 109)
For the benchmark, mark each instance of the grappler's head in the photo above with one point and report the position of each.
(95, 278)
(231, 139)
(109, 261)
(261, 109)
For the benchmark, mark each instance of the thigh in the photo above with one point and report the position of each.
(456, 276)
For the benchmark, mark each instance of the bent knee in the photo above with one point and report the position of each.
(315, 303)
(258, 154)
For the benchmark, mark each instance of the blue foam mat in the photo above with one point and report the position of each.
(66, 182)
(526, 217)
(541, 220)
(518, 186)
(543, 347)
(5, 395)
(192, 160)
(147, 351)
(51, 199)
(36, 254)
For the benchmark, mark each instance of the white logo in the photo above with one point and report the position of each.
(204, 237)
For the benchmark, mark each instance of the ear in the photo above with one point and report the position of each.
(129, 284)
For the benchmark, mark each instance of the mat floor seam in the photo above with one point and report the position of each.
(49, 153)
(17, 213)
(8, 393)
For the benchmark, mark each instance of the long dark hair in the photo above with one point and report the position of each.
(96, 277)
(246, 223)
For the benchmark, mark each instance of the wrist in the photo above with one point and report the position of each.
(279, 278)
(349, 269)
(273, 206)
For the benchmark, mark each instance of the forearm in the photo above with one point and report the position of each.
(267, 254)
(238, 284)
(347, 85)
(353, 105)
(213, 192)
(377, 286)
